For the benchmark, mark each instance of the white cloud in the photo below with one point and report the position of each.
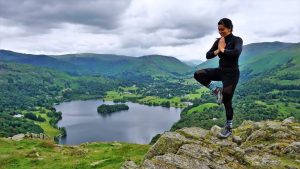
(184, 29)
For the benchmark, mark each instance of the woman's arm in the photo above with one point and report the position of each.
(213, 51)
(236, 51)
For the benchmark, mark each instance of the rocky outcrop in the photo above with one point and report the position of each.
(21, 136)
(266, 144)
(18, 137)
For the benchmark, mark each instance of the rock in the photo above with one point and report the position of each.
(195, 151)
(257, 135)
(169, 142)
(28, 135)
(41, 136)
(226, 143)
(193, 132)
(176, 161)
(282, 135)
(237, 140)
(293, 148)
(129, 165)
(33, 135)
(215, 130)
(33, 154)
(99, 162)
(258, 125)
(289, 120)
(239, 154)
(274, 126)
(247, 133)
(18, 137)
(276, 148)
(148, 164)
(247, 122)
(269, 160)
(262, 161)
(265, 144)
(5, 138)
(115, 143)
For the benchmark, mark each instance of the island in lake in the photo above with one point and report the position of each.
(107, 109)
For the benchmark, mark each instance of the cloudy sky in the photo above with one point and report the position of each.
(183, 29)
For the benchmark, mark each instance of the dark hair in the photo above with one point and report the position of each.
(226, 22)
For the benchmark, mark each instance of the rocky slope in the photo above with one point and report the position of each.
(266, 144)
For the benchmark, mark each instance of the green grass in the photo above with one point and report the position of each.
(115, 95)
(23, 154)
(199, 92)
(201, 107)
(284, 109)
(48, 129)
(174, 101)
(123, 94)
(287, 161)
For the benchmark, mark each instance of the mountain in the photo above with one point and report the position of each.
(193, 63)
(269, 60)
(118, 65)
(36, 60)
(103, 64)
(265, 144)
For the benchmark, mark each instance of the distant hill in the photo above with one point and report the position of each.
(103, 64)
(193, 63)
(36, 60)
(255, 59)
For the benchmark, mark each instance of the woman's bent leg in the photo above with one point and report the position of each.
(205, 76)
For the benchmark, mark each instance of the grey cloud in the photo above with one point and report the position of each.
(276, 33)
(45, 14)
(190, 28)
(136, 27)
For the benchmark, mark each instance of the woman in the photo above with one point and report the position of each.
(228, 47)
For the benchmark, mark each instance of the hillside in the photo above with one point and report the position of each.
(29, 89)
(125, 66)
(103, 64)
(31, 153)
(36, 60)
(266, 144)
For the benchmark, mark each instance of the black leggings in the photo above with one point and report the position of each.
(229, 78)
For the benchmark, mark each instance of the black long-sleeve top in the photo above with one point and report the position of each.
(229, 58)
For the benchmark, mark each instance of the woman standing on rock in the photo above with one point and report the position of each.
(228, 47)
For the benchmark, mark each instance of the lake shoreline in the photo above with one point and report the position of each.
(131, 124)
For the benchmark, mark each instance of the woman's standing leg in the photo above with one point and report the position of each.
(230, 81)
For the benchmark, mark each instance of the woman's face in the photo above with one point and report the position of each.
(223, 31)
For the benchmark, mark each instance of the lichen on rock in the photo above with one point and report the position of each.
(265, 144)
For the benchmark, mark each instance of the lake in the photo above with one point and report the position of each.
(137, 125)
